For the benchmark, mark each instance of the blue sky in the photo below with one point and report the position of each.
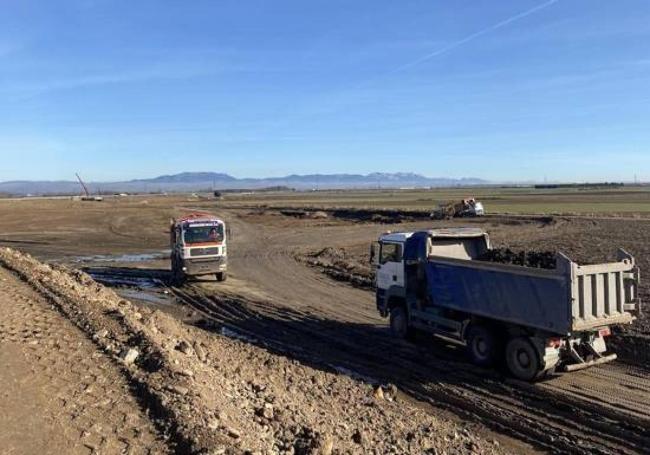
(504, 90)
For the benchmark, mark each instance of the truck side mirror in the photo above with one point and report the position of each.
(228, 232)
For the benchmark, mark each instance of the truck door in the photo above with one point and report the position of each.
(390, 269)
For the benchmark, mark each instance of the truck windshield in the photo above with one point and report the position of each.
(203, 234)
(390, 252)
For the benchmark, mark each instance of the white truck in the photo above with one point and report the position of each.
(198, 244)
(536, 320)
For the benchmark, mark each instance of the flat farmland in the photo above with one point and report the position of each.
(604, 202)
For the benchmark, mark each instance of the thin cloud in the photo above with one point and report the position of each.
(173, 71)
(473, 36)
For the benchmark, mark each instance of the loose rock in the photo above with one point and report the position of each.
(129, 356)
(185, 347)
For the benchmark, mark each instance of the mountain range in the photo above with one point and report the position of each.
(201, 181)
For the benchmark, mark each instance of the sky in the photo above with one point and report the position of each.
(509, 90)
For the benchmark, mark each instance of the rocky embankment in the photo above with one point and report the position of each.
(218, 395)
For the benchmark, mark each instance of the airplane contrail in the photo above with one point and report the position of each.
(474, 35)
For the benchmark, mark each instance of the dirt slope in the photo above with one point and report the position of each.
(60, 394)
(208, 393)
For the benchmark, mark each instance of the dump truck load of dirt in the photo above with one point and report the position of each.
(534, 259)
(215, 394)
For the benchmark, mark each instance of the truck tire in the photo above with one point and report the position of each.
(522, 359)
(482, 346)
(221, 276)
(178, 276)
(399, 324)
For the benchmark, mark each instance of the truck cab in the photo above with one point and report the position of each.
(198, 243)
(390, 266)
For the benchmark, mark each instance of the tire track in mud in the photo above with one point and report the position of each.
(546, 419)
(590, 411)
(309, 316)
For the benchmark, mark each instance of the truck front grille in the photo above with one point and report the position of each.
(204, 251)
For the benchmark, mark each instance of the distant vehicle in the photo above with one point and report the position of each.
(198, 247)
(536, 320)
(87, 196)
(464, 208)
(217, 195)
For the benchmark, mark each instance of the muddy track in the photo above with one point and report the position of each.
(543, 414)
(602, 410)
(287, 307)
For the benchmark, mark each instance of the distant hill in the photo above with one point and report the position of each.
(200, 181)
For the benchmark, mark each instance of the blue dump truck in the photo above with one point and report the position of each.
(532, 319)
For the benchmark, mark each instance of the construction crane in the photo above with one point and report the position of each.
(87, 196)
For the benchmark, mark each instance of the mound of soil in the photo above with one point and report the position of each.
(306, 214)
(383, 216)
(380, 216)
(535, 259)
(338, 264)
(217, 395)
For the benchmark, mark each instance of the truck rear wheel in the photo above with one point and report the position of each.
(221, 276)
(399, 325)
(522, 359)
(482, 346)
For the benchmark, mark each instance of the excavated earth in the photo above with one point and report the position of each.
(278, 311)
(141, 381)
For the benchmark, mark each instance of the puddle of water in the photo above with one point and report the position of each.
(141, 288)
(225, 331)
(143, 296)
(142, 257)
(117, 280)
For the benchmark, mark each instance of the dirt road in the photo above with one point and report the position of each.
(278, 301)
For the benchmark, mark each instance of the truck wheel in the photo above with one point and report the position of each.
(178, 276)
(399, 324)
(221, 276)
(482, 346)
(522, 359)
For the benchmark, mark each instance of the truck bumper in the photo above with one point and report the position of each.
(590, 363)
(586, 352)
(204, 266)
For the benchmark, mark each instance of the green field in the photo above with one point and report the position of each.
(619, 201)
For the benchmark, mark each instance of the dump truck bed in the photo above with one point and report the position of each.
(564, 300)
